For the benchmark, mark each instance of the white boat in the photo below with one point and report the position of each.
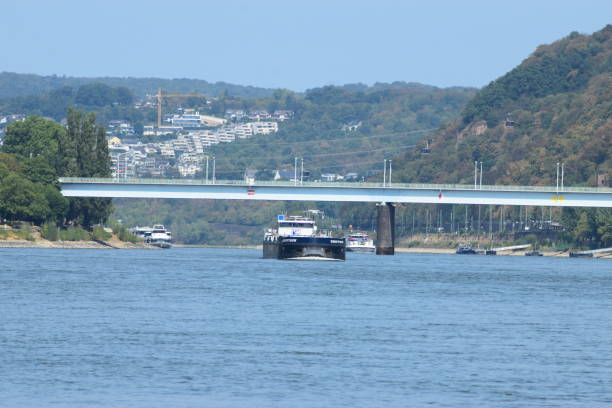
(359, 242)
(157, 235)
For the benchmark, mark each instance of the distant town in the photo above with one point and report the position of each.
(178, 147)
(186, 134)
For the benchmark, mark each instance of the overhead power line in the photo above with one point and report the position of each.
(240, 143)
(326, 154)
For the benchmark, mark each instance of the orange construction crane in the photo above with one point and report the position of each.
(160, 97)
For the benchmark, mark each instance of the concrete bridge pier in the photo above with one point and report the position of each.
(385, 230)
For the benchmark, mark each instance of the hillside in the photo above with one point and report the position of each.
(385, 120)
(560, 100)
(553, 108)
(15, 85)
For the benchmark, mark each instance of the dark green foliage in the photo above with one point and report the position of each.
(588, 227)
(20, 199)
(92, 160)
(34, 137)
(107, 102)
(74, 234)
(58, 204)
(98, 94)
(565, 66)
(15, 85)
(36, 152)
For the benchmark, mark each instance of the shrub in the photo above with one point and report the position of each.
(126, 236)
(74, 234)
(100, 234)
(50, 231)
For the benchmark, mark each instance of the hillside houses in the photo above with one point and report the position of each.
(194, 134)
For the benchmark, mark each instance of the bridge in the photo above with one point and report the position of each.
(387, 195)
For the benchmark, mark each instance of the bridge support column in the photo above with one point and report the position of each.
(385, 230)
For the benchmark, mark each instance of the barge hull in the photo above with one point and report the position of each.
(305, 248)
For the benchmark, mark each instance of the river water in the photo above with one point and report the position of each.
(225, 328)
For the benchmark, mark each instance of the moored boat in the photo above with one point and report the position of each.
(359, 242)
(465, 250)
(157, 235)
(297, 239)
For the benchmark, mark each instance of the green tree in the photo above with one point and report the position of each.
(91, 160)
(586, 228)
(604, 227)
(20, 199)
(35, 137)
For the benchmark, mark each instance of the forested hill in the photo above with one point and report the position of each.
(16, 85)
(553, 107)
(341, 129)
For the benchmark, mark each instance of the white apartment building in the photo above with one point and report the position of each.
(264, 128)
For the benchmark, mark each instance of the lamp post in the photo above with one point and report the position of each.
(302, 173)
(206, 169)
(295, 159)
(384, 172)
(481, 175)
(562, 174)
(557, 178)
(390, 172)
(214, 178)
(475, 173)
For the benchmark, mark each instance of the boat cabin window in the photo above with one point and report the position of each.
(295, 224)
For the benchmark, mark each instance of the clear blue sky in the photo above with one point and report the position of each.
(290, 44)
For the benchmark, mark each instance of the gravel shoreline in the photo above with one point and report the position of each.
(73, 244)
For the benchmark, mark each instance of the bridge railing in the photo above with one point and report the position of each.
(412, 186)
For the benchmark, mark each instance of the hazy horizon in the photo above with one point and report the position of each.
(272, 44)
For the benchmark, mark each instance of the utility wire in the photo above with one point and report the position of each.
(240, 144)
(327, 154)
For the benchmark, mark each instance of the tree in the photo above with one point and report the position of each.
(91, 160)
(95, 94)
(38, 170)
(586, 229)
(604, 227)
(58, 204)
(35, 137)
(20, 199)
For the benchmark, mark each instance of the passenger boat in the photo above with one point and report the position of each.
(297, 238)
(359, 242)
(157, 235)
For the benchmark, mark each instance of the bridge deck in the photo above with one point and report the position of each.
(353, 192)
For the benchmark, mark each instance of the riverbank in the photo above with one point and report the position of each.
(555, 254)
(12, 239)
(73, 244)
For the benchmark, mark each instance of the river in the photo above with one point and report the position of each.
(225, 328)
